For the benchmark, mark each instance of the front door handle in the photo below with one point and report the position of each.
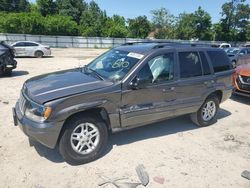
(168, 89)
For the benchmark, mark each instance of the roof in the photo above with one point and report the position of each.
(146, 47)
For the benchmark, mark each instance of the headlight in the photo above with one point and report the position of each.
(37, 113)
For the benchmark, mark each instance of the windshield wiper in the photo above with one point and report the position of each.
(89, 70)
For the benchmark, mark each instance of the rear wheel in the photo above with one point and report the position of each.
(83, 140)
(206, 115)
(39, 54)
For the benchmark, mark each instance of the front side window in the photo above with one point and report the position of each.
(114, 64)
(159, 69)
(19, 44)
(190, 64)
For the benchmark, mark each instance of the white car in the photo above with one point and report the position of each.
(31, 49)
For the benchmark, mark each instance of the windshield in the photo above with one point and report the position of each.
(114, 64)
(233, 51)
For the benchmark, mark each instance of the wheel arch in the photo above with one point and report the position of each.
(218, 93)
(99, 112)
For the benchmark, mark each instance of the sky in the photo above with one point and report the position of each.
(133, 8)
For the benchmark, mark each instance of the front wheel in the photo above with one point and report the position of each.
(83, 140)
(206, 115)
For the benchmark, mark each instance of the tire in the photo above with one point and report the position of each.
(198, 117)
(76, 125)
(39, 54)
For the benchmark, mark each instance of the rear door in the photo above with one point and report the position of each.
(30, 48)
(154, 101)
(20, 49)
(195, 81)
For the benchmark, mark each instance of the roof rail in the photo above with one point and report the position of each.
(162, 43)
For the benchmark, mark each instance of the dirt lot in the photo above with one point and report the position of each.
(176, 150)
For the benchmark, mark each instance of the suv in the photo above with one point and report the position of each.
(7, 61)
(129, 86)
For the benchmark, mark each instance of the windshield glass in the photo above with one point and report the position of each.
(114, 64)
(233, 51)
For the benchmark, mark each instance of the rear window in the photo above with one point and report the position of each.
(219, 60)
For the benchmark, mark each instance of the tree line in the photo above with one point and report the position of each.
(79, 18)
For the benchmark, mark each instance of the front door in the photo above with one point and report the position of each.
(20, 49)
(153, 98)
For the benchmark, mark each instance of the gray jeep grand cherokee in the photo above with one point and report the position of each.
(129, 86)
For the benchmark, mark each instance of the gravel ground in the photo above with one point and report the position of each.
(175, 152)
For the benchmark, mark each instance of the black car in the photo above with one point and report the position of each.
(129, 86)
(7, 61)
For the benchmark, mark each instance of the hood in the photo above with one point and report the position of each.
(243, 69)
(56, 85)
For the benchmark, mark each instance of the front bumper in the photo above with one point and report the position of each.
(46, 133)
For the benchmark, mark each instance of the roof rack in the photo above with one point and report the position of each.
(162, 44)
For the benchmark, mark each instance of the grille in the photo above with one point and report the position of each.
(243, 86)
(22, 103)
(245, 79)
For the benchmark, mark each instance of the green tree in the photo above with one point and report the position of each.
(115, 27)
(93, 21)
(24, 23)
(196, 25)
(60, 25)
(234, 21)
(185, 28)
(203, 24)
(46, 7)
(163, 23)
(73, 8)
(139, 27)
(14, 5)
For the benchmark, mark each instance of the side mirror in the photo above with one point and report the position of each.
(139, 83)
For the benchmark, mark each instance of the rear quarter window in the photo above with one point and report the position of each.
(220, 61)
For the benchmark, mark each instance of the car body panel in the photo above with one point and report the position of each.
(57, 85)
(73, 91)
(29, 48)
(242, 80)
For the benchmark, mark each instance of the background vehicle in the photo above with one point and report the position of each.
(242, 80)
(126, 87)
(31, 49)
(239, 56)
(7, 61)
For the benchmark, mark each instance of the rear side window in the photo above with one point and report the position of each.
(205, 65)
(219, 60)
(190, 64)
(30, 44)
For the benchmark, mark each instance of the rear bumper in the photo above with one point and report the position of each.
(46, 133)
